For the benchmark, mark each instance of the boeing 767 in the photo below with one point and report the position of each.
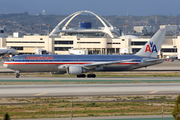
(80, 64)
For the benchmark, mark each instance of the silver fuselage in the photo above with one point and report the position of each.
(52, 63)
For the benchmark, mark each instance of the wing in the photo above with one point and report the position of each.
(97, 65)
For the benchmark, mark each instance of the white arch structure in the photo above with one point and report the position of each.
(106, 29)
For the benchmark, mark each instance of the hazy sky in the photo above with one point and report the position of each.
(101, 7)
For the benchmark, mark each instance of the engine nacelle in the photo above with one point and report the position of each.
(75, 70)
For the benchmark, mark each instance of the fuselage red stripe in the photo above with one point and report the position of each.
(9, 63)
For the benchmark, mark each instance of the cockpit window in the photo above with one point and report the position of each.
(11, 59)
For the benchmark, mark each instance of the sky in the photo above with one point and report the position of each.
(100, 7)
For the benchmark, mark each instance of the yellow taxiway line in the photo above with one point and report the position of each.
(153, 92)
(40, 94)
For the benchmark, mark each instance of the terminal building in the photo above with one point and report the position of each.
(104, 40)
(144, 29)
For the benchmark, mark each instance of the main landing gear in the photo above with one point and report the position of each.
(81, 76)
(91, 75)
(17, 74)
(88, 76)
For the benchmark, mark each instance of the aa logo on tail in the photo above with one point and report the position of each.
(151, 48)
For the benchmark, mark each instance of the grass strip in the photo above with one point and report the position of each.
(61, 107)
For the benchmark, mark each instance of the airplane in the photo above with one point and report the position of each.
(9, 51)
(80, 64)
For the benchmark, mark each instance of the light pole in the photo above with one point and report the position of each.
(71, 110)
(162, 111)
(48, 25)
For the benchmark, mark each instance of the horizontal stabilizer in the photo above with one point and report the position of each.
(154, 60)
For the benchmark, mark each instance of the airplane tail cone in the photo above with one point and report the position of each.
(153, 46)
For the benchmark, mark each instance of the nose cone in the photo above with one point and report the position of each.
(5, 65)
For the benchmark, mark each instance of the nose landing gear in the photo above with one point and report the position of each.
(17, 74)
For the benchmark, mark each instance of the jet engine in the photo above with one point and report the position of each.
(75, 70)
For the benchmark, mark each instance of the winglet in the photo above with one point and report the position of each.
(153, 46)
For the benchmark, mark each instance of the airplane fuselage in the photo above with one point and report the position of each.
(53, 63)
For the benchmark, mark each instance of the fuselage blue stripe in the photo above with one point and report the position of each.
(68, 61)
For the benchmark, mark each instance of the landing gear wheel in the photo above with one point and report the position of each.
(91, 75)
(81, 76)
(17, 75)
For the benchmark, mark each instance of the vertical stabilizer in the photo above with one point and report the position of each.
(153, 46)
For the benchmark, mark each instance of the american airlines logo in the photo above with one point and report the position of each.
(40, 58)
(151, 48)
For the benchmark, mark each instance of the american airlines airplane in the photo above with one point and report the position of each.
(80, 64)
(9, 51)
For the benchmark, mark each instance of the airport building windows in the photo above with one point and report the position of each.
(169, 50)
(24, 42)
(135, 50)
(138, 43)
(113, 43)
(113, 50)
(90, 42)
(110, 50)
(117, 50)
(88, 35)
(18, 48)
(63, 42)
(62, 48)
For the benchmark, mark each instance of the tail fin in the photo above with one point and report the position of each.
(153, 46)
